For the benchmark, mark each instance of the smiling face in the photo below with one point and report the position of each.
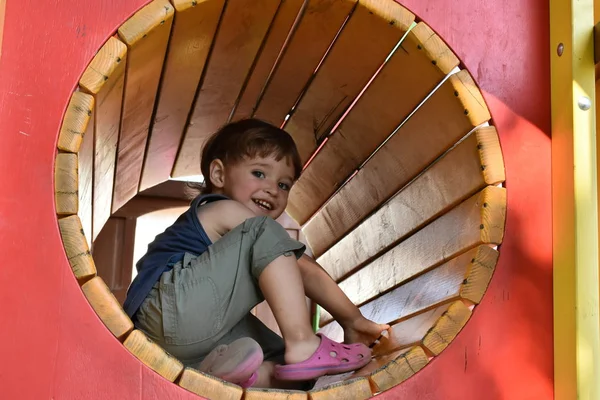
(261, 184)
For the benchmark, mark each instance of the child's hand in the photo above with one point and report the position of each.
(362, 330)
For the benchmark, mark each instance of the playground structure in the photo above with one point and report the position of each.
(417, 193)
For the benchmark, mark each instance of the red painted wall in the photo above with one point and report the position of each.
(52, 345)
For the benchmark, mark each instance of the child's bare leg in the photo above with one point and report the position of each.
(282, 287)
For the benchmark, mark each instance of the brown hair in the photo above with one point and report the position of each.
(248, 138)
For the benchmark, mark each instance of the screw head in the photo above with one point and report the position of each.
(584, 103)
(560, 49)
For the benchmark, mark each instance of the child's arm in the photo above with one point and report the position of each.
(219, 217)
(323, 290)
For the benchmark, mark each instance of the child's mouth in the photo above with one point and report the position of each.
(263, 204)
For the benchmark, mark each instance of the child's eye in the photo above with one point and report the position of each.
(258, 174)
(284, 186)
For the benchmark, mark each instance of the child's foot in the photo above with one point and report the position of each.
(236, 362)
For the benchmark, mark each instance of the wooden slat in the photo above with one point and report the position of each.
(447, 327)
(141, 205)
(208, 386)
(66, 183)
(192, 34)
(355, 389)
(146, 35)
(470, 166)
(2, 16)
(409, 332)
(75, 122)
(275, 41)
(388, 100)
(86, 180)
(372, 31)
(77, 248)
(153, 355)
(274, 394)
(104, 78)
(320, 24)
(466, 276)
(478, 220)
(449, 114)
(238, 40)
(107, 307)
(399, 370)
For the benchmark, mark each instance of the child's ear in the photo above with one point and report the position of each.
(217, 173)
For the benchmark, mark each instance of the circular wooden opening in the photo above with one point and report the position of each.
(401, 198)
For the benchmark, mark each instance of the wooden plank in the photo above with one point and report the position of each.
(104, 78)
(274, 394)
(399, 370)
(238, 40)
(319, 25)
(85, 159)
(375, 115)
(466, 276)
(450, 113)
(372, 31)
(107, 307)
(77, 248)
(478, 220)
(146, 35)
(153, 355)
(470, 166)
(66, 183)
(409, 332)
(447, 327)
(208, 386)
(356, 389)
(289, 12)
(75, 122)
(193, 31)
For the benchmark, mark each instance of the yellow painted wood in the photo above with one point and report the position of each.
(355, 389)
(574, 202)
(208, 386)
(77, 248)
(66, 181)
(448, 182)
(399, 370)
(153, 355)
(447, 327)
(146, 35)
(107, 307)
(274, 394)
(104, 78)
(75, 122)
(192, 35)
(85, 159)
(2, 15)
(372, 31)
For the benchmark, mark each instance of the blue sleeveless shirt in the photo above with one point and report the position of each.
(186, 235)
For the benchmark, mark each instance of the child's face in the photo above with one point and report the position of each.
(261, 184)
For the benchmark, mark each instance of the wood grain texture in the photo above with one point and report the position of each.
(238, 40)
(274, 394)
(107, 307)
(465, 276)
(85, 159)
(455, 177)
(208, 386)
(146, 34)
(399, 370)
(478, 220)
(75, 122)
(76, 247)
(192, 35)
(270, 54)
(356, 389)
(448, 115)
(388, 100)
(447, 327)
(153, 355)
(104, 78)
(66, 183)
(315, 33)
(372, 31)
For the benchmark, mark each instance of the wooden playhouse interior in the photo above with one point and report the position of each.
(401, 197)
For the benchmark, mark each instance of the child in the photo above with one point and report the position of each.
(201, 277)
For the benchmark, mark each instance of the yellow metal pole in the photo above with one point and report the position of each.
(575, 201)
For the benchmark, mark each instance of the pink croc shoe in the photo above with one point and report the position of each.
(330, 358)
(237, 362)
